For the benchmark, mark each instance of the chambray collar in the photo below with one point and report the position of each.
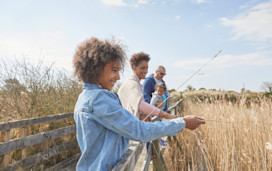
(91, 86)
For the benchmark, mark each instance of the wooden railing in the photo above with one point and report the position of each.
(17, 137)
(15, 140)
(131, 157)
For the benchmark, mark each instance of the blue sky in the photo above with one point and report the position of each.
(181, 35)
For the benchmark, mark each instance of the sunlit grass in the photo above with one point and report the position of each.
(236, 136)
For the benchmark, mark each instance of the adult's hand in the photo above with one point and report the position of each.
(192, 122)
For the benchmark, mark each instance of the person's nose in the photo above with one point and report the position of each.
(118, 76)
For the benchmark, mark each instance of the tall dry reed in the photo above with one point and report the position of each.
(236, 136)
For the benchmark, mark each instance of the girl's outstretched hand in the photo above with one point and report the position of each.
(192, 122)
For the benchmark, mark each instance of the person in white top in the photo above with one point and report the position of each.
(131, 92)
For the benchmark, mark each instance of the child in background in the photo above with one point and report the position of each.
(157, 99)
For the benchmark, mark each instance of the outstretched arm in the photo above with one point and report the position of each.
(149, 109)
(109, 113)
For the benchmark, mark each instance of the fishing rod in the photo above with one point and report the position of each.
(187, 80)
(175, 138)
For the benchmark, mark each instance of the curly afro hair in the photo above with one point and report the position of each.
(137, 58)
(92, 55)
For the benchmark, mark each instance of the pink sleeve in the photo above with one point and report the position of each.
(148, 108)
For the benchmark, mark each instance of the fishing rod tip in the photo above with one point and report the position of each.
(218, 53)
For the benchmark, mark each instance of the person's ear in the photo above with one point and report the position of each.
(133, 68)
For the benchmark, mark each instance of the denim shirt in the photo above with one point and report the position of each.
(104, 128)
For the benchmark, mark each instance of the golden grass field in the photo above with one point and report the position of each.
(235, 137)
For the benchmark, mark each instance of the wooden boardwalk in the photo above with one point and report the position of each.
(49, 143)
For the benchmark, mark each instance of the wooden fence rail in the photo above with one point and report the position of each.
(8, 146)
(29, 122)
(127, 162)
(34, 161)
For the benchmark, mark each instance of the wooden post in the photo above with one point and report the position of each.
(181, 108)
(22, 133)
(158, 162)
(5, 136)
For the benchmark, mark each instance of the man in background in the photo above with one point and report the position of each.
(149, 86)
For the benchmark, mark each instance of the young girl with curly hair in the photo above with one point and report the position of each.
(103, 126)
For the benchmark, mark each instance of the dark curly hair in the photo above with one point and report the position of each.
(92, 55)
(137, 58)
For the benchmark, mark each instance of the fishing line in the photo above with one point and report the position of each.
(186, 81)
(213, 120)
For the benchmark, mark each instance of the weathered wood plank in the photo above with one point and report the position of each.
(129, 159)
(158, 162)
(17, 144)
(22, 134)
(39, 157)
(28, 122)
(174, 106)
(147, 160)
(5, 136)
(66, 165)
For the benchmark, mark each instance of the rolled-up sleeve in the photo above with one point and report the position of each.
(148, 108)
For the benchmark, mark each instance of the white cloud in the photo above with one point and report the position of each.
(199, 1)
(257, 59)
(132, 3)
(178, 17)
(142, 1)
(33, 51)
(114, 2)
(253, 24)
